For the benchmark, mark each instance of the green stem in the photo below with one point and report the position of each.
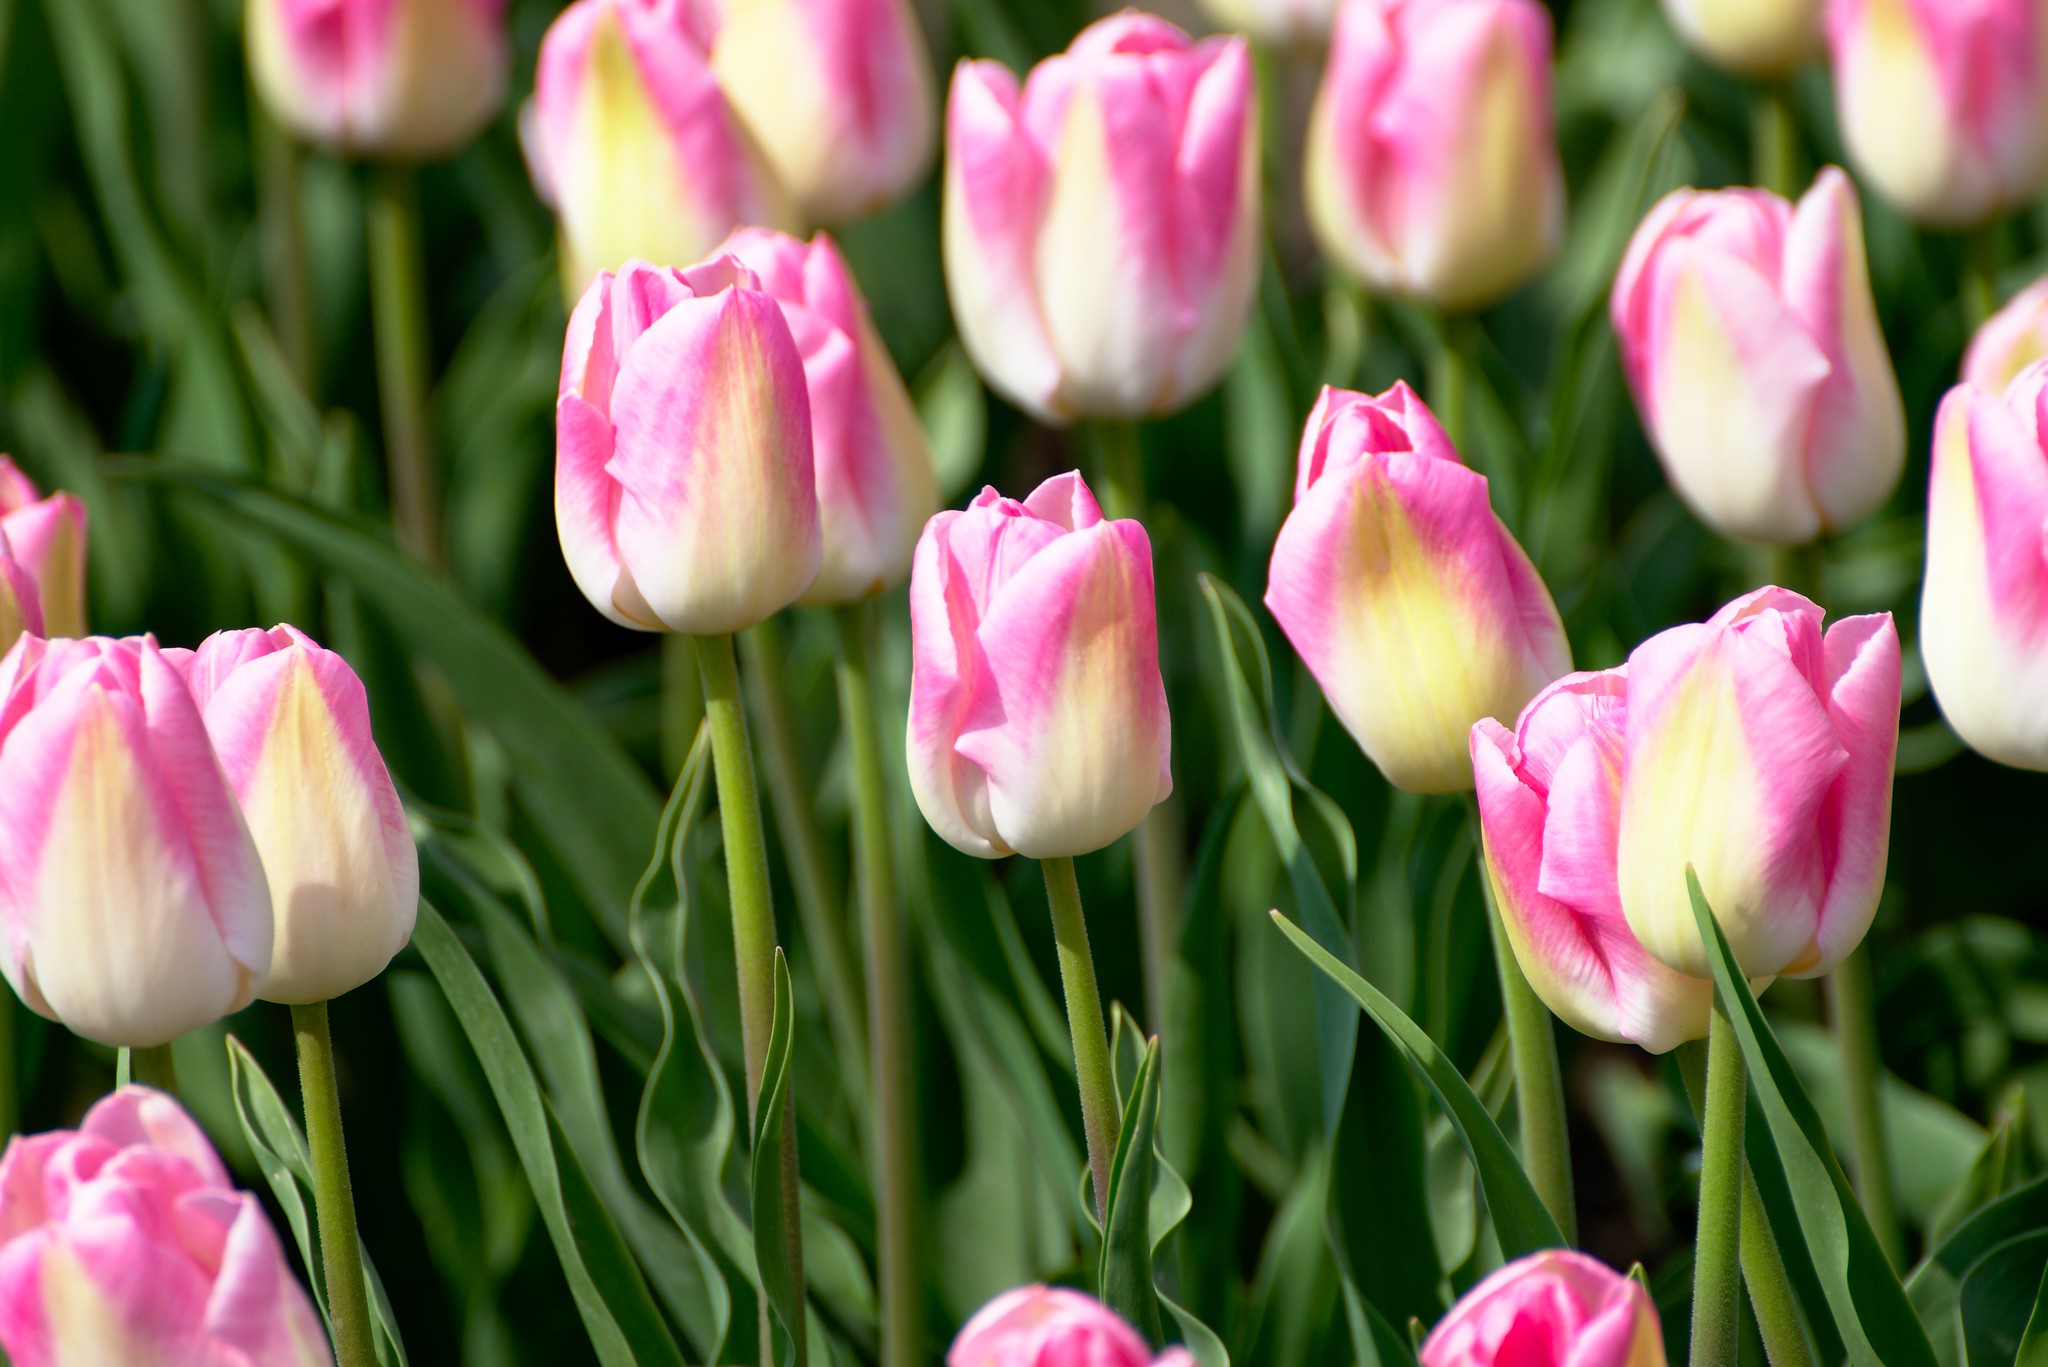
(398, 303)
(1099, 1119)
(283, 243)
(1716, 1314)
(10, 1073)
(682, 703)
(1119, 462)
(1980, 274)
(1852, 1010)
(341, 1249)
(1155, 853)
(154, 1067)
(1774, 142)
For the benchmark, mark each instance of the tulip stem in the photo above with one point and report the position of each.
(1450, 382)
(283, 242)
(154, 1067)
(1119, 467)
(1980, 275)
(1099, 1110)
(398, 302)
(1774, 142)
(1852, 1009)
(892, 1150)
(341, 1249)
(10, 1071)
(1716, 1313)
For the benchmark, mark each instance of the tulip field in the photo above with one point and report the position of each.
(1018, 683)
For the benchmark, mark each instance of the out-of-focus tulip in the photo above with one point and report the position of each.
(1038, 720)
(876, 487)
(1750, 338)
(1432, 155)
(21, 607)
(291, 725)
(1556, 1308)
(124, 1242)
(683, 486)
(132, 898)
(380, 78)
(1050, 1326)
(1944, 103)
(631, 140)
(1277, 23)
(838, 94)
(2009, 340)
(48, 540)
(1754, 37)
(1759, 752)
(1403, 593)
(1102, 221)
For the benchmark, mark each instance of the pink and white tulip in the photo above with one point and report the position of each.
(291, 724)
(125, 1242)
(1050, 1326)
(2009, 341)
(1748, 333)
(133, 906)
(21, 607)
(1556, 1308)
(1432, 166)
(47, 537)
(1276, 23)
(1102, 220)
(1754, 37)
(1403, 593)
(876, 486)
(380, 78)
(684, 491)
(1759, 752)
(1944, 103)
(1038, 722)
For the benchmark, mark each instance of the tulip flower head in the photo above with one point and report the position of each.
(1102, 220)
(1556, 1308)
(1754, 37)
(1038, 722)
(46, 537)
(1050, 1326)
(124, 1242)
(21, 607)
(1276, 23)
(1402, 591)
(1432, 157)
(1750, 339)
(684, 491)
(2009, 341)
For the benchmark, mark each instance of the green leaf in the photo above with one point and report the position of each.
(774, 1233)
(1993, 1307)
(1935, 1288)
(2033, 1349)
(1124, 1272)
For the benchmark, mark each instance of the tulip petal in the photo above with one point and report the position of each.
(1862, 691)
(945, 670)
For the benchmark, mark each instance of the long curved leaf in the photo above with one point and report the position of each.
(775, 1227)
(1123, 1278)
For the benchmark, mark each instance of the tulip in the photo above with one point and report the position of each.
(2009, 341)
(1403, 593)
(47, 536)
(1432, 167)
(291, 725)
(1102, 222)
(1556, 1308)
(1944, 104)
(1038, 720)
(1276, 23)
(21, 607)
(133, 902)
(632, 142)
(683, 485)
(124, 1242)
(874, 472)
(380, 78)
(1050, 1326)
(1759, 754)
(1749, 336)
(1754, 37)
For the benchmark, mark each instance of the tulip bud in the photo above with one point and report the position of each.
(1432, 158)
(683, 485)
(1944, 105)
(2009, 341)
(1759, 754)
(1556, 1308)
(134, 905)
(380, 78)
(291, 725)
(21, 607)
(125, 1242)
(48, 540)
(1750, 338)
(1753, 37)
(1276, 23)
(876, 487)
(1403, 593)
(1038, 720)
(1102, 223)
(1050, 1326)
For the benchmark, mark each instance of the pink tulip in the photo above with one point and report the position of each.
(1755, 37)
(380, 78)
(874, 473)
(48, 540)
(1403, 593)
(1038, 720)
(21, 606)
(1102, 222)
(1750, 338)
(1050, 1326)
(2009, 340)
(1556, 1308)
(1432, 165)
(291, 725)
(1944, 103)
(1759, 752)
(683, 485)
(1277, 23)
(124, 1243)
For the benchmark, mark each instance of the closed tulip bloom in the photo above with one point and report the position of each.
(1402, 591)
(21, 607)
(683, 485)
(47, 537)
(1102, 220)
(1944, 103)
(876, 487)
(125, 1242)
(1754, 37)
(1038, 720)
(1748, 333)
(1278, 23)
(2009, 341)
(291, 724)
(380, 78)
(1556, 1308)
(1432, 156)
(132, 897)
(1050, 1326)
(1759, 752)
